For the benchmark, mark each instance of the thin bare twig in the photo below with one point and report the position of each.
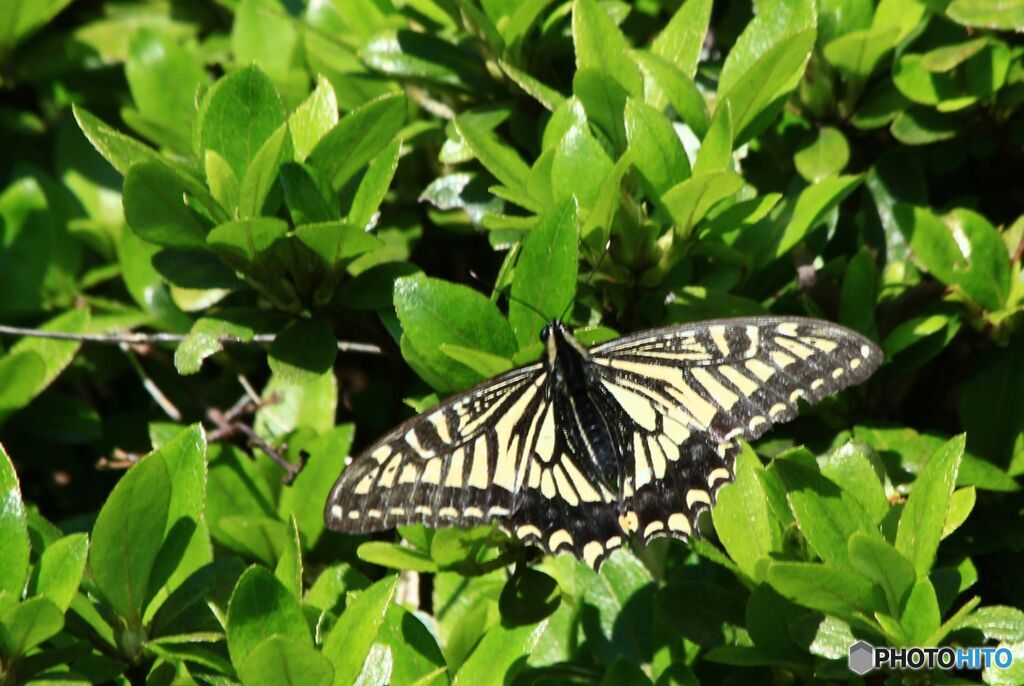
(154, 391)
(136, 338)
(228, 425)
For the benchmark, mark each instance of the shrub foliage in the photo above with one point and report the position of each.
(274, 229)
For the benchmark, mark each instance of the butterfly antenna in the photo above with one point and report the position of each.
(590, 276)
(513, 298)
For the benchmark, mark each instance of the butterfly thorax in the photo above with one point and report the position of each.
(579, 404)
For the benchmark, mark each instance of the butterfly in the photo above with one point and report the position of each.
(590, 448)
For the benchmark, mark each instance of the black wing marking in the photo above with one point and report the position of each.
(458, 464)
(690, 392)
(563, 505)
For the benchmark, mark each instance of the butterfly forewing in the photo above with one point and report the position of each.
(674, 401)
(454, 465)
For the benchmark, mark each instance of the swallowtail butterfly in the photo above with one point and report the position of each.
(590, 447)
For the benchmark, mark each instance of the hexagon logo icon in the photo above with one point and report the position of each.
(862, 658)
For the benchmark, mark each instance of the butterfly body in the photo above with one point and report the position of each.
(580, 409)
(589, 448)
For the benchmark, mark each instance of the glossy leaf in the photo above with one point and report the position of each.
(128, 534)
(358, 138)
(545, 272)
(923, 516)
(261, 607)
(14, 544)
(349, 642)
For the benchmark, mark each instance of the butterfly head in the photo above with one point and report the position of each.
(557, 339)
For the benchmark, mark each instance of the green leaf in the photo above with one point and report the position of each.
(682, 39)
(374, 185)
(924, 125)
(484, 364)
(658, 154)
(776, 21)
(289, 565)
(500, 655)
(823, 157)
(27, 624)
(545, 272)
(309, 198)
(245, 245)
(263, 33)
(58, 573)
(20, 375)
(921, 616)
(1010, 675)
(702, 612)
(394, 556)
(128, 534)
(825, 588)
(425, 56)
(261, 173)
(856, 55)
(163, 79)
(921, 523)
(14, 543)
(604, 100)
(19, 20)
(960, 505)
(997, 622)
(329, 590)
(621, 592)
(155, 209)
(433, 312)
(261, 607)
(528, 598)
(827, 515)
(688, 202)
(742, 520)
(856, 469)
(305, 496)
(880, 562)
(237, 116)
(304, 351)
(349, 642)
(208, 333)
(542, 93)
(961, 249)
(38, 258)
(311, 120)
(859, 295)
(579, 167)
(359, 137)
(121, 151)
(602, 47)
(765, 83)
(716, 147)
(312, 405)
(499, 159)
(992, 411)
(989, 14)
(663, 82)
(415, 656)
(814, 203)
(284, 661)
(186, 547)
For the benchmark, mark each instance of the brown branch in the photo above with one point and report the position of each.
(136, 338)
